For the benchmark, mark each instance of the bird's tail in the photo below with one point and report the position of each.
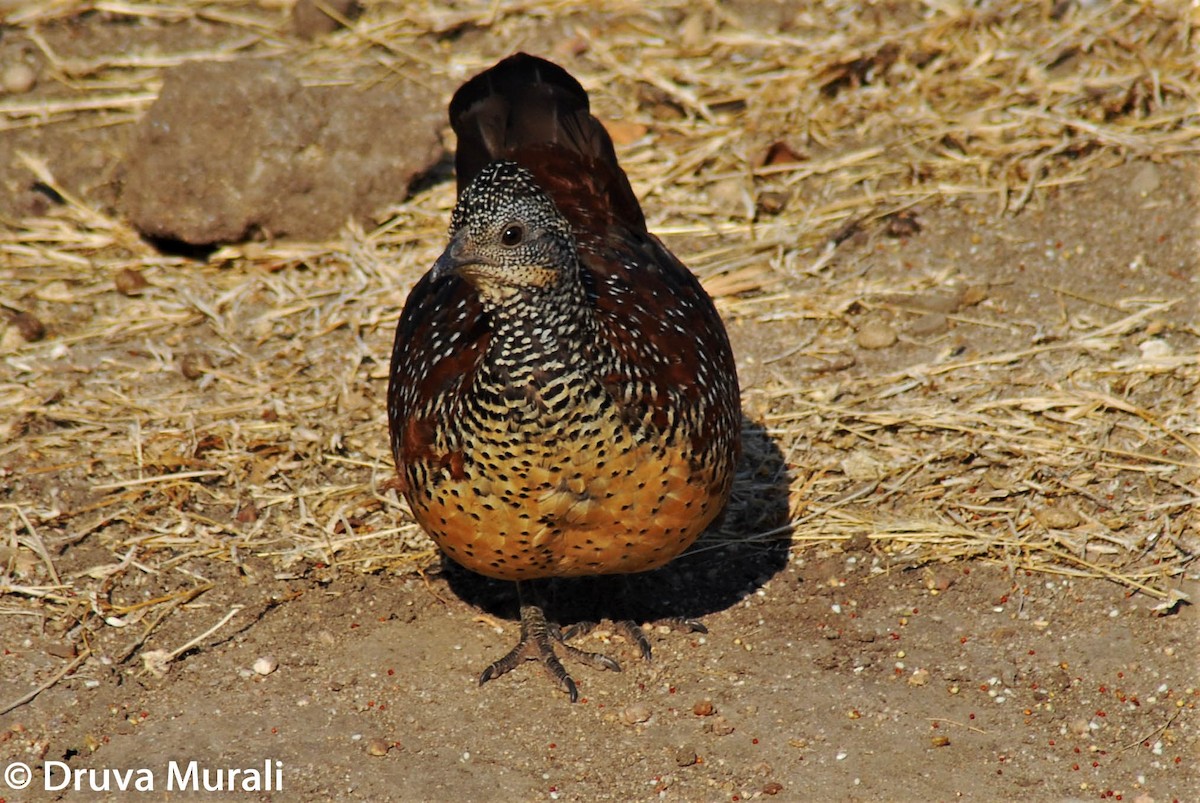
(521, 108)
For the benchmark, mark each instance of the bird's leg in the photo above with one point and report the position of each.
(538, 637)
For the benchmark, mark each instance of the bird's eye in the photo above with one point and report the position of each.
(513, 234)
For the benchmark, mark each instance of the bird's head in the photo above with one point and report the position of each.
(507, 238)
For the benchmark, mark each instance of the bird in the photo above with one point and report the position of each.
(563, 399)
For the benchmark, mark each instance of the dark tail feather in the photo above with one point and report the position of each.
(524, 104)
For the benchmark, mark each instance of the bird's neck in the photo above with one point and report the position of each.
(533, 333)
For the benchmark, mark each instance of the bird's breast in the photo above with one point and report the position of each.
(554, 482)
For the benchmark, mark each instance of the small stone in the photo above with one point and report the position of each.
(939, 741)
(311, 21)
(1156, 349)
(377, 747)
(625, 132)
(859, 542)
(875, 334)
(972, 295)
(919, 678)
(902, 224)
(719, 726)
(1057, 517)
(18, 78)
(772, 202)
(942, 302)
(931, 323)
(1156, 326)
(685, 756)
(130, 282)
(61, 650)
(265, 665)
(862, 467)
(193, 365)
(28, 325)
(636, 713)
(1079, 727)
(704, 708)
(772, 788)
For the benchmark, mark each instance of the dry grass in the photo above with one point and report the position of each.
(233, 410)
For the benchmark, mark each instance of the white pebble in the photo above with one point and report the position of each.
(19, 78)
(265, 665)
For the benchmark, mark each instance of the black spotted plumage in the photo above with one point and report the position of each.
(563, 398)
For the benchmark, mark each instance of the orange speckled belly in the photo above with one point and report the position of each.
(545, 512)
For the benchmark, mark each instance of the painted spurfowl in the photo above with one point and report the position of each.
(563, 399)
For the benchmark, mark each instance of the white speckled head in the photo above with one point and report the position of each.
(507, 236)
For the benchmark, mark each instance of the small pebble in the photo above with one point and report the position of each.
(130, 282)
(193, 366)
(19, 78)
(265, 665)
(772, 202)
(719, 725)
(310, 21)
(772, 788)
(876, 335)
(636, 713)
(931, 323)
(1156, 349)
(377, 747)
(902, 224)
(1057, 517)
(939, 741)
(942, 302)
(61, 650)
(704, 708)
(685, 756)
(972, 295)
(919, 678)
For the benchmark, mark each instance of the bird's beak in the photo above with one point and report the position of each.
(456, 256)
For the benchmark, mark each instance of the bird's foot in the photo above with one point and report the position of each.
(538, 638)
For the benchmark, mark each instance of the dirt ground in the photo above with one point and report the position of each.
(902, 605)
